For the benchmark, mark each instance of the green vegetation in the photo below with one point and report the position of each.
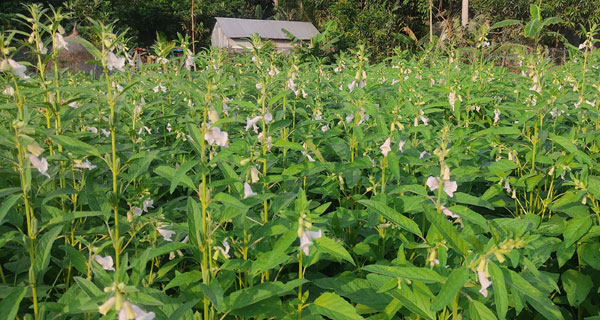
(272, 186)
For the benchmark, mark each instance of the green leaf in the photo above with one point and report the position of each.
(392, 215)
(577, 286)
(88, 287)
(534, 12)
(75, 146)
(505, 23)
(248, 296)
(334, 248)
(267, 261)
(183, 309)
(500, 292)
(455, 281)
(479, 311)
(180, 173)
(335, 307)
(283, 143)
(466, 198)
(571, 148)
(229, 200)
(575, 229)
(10, 304)
(214, 293)
(43, 250)
(184, 279)
(590, 254)
(447, 230)
(169, 173)
(532, 28)
(411, 273)
(8, 203)
(538, 300)
(73, 216)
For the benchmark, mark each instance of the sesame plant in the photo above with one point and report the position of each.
(271, 186)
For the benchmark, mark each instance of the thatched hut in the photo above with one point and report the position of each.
(76, 57)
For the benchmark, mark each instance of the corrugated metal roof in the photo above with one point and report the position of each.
(266, 29)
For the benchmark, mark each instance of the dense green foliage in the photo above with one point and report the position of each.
(270, 186)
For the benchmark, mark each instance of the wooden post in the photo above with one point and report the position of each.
(430, 20)
(465, 13)
(193, 31)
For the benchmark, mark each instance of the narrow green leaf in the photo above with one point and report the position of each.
(183, 309)
(8, 203)
(248, 296)
(500, 292)
(180, 173)
(447, 230)
(184, 279)
(411, 273)
(392, 215)
(479, 311)
(455, 281)
(75, 146)
(10, 304)
(43, 250)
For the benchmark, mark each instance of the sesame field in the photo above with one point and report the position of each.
(266, 186)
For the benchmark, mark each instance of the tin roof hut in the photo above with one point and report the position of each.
(235, 34)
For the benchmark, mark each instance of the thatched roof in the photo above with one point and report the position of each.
(75, 57)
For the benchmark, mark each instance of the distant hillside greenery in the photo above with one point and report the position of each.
(380, 24)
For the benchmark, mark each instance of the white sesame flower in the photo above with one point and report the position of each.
(148, 203)
(112, 62)
(105, 262)
(59, 42)
(91, 129)
(268, 117)
(349, 118)
(8, 91)
(214, 135)
(159, 87)
(385, 147)
(452, 99)
(165, 233)
(291, 85)
(268, 141)
(85, 165)
(248, 191)
(40, 165)
(484, 281)
(136, 211)
(423, 155)
(450, 214)
(13, 66)
(189, 60)
(169, 127)
(581, 46)
(496, 115)
(306, 240)
(251, 123)
(449, 186)
(424, 119)
(130, 311)
(105, 132)
(162, 60)
(258, 86)
(254, 174)
(401, 145)
(351, 86)
(107, 306)
(74, 104)
(304, 153)
(225, 249)
(325, 128)
(507, 186)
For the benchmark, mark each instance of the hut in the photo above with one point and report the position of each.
(234, 34)
(75, 56)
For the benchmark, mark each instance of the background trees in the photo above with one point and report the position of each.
(380, 24)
